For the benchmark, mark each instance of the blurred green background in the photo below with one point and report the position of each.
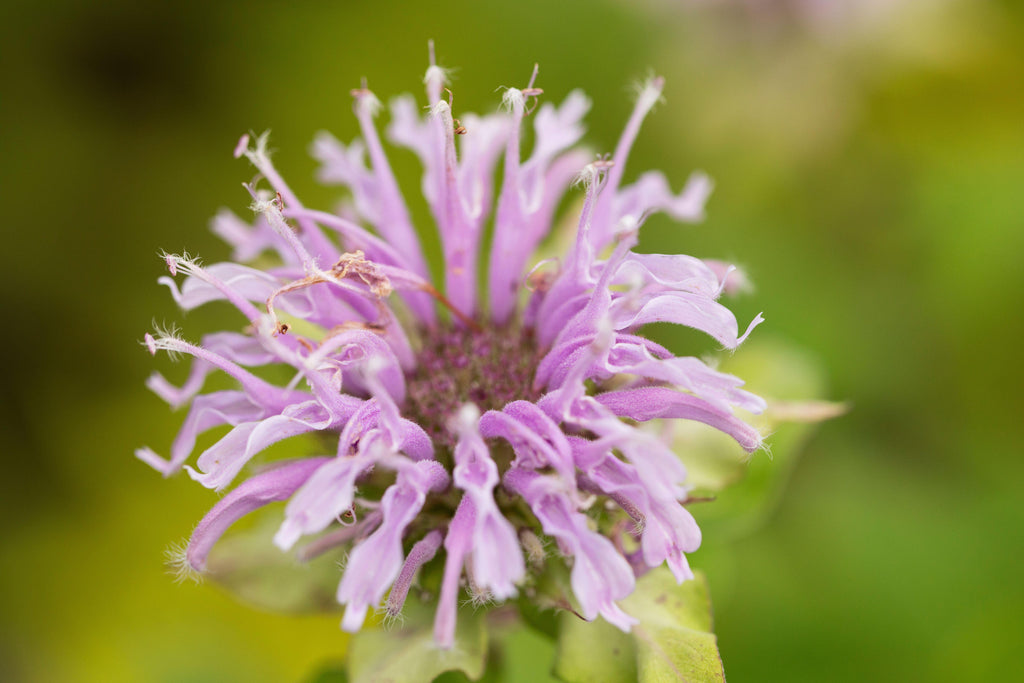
(869, 159)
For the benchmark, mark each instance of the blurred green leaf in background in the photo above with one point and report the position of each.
(868, 165)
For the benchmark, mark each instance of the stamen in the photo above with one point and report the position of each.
(260, 158)
(190, 266)
(435, 78)
(250, 382)
(272, 210)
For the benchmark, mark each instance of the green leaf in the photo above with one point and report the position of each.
(672, 642)
(249, 565)
(409, 655)
(674, 638)
(594, 651)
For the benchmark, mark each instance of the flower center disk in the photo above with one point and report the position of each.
(489, 367)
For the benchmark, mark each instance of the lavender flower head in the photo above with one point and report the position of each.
(467, 424)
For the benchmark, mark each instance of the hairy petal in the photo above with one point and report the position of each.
(266, 487)
(600, 575)
(648, 403)
(497, 558)
(375, 562)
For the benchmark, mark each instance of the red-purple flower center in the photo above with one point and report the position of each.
(488, 367)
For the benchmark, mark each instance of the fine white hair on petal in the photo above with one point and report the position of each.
(592, 174)
(258, 154)
(164, 338)
(512, 98)
(176, 558)
(437, 74)
(368, 102)
(649, 92)
(184, 262)
(390, 620)
(440, 108)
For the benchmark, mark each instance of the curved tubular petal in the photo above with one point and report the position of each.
(667, 528)
(375, 563)
(600, 575)
(266, 487)
(497, 558)
(535, 438)
(209, 411)
(240, 349)
(239, 284)
(683, 308)
(321, 499)
(457, 544)
(421, 553)
(647, 403)
(392, 215)
(220, 463)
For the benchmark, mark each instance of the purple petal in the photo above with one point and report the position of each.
(249, 283)
(668, 528)
(683, 308)
(422, 552)
(535, 438)
(604, 216)
(266, 487)
(648, 403)
(457, 544)
(321, 499)
(600, 575)
(220, 463)
(497, 558)
(375, 563)
(651, 193)
(238, 348)
(530, 193)
(249, 241)
(675, 272)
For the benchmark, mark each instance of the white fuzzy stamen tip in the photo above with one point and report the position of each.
(513, 99)
(263, 202)
(650, 92)
(150, 343)
(627, 227)
(435, 76)
(440, 108)
(367, 102)
(590, 174)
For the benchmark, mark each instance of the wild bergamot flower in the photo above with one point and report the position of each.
(477, 424)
